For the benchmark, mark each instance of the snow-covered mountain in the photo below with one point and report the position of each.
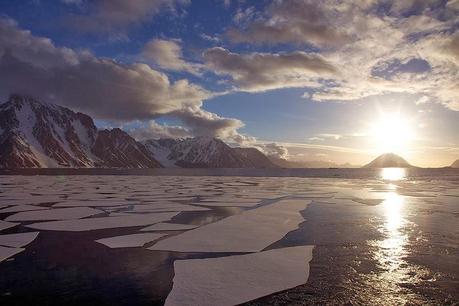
(40, 135)
(119, 150)
(205, 152)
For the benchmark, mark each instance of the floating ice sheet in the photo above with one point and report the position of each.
(105, 222)
(17, 240)
(250, 231)
(231, 199)
(91, 203)
(6, 253)
(18, 208)
(55, 214)
(166, 206)
(370, 202)
(130, 241)
(229, 204)
(168, 227)
(233, 280)
(5, 225)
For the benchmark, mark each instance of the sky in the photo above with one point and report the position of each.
(338, 81)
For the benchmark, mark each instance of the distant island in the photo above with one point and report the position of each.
(388, 160)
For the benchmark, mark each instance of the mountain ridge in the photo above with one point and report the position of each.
(34, 134)
(205, 152)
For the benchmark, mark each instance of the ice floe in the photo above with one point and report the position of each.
(233, 280)
(130, 241)
(92, 203)
(251, 231)
(6, 253)
(168, 227)
(24, 207)
(166, 206)
(17, 240)
(54, 214)
(89, 224)
(4, 225)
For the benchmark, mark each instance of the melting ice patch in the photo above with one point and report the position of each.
(233, 280)
(251, 231)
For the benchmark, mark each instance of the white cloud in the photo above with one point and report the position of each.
(111, 16)
(264, 71)
(353, 38)
(103, 88)
(167, 54)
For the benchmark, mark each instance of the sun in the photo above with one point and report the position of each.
(392, 133)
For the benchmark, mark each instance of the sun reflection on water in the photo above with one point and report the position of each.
(393, 174)
(390, 252)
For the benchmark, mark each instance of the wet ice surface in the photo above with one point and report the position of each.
(288, 267)
(114, 240)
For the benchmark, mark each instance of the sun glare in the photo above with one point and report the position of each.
(392, 133)
(393, 174)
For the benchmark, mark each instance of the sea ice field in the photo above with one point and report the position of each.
(228, 240)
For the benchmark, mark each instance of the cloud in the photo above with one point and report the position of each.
(108, 16)
(203, 123)
(371, 47)
(295, 21)
(273, 150)
(263, 71)
(154, 130)
(325, 136)
(167, 54)
(100, 87)
(75, 2)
